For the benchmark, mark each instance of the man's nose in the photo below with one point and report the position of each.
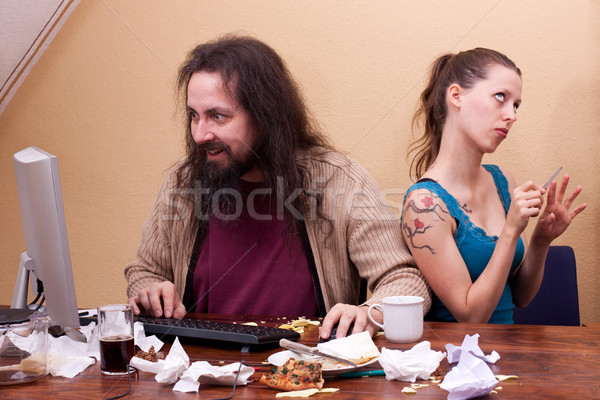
(201, 132)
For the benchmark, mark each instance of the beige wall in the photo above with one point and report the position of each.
(101, 99)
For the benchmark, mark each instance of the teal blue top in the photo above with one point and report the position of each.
(475, 246)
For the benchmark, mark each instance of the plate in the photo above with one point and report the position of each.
(330, 367)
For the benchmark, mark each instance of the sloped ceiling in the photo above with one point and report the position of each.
(26, 29)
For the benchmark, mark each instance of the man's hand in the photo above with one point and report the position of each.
(160, 298)
(344, 315)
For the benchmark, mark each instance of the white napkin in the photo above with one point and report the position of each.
(67, 367)
(471, 344)
(358, 348)
(154, 367)
(145, 342)
(470, 378)
(203, 372)
(67, 357)
(175, 364)
(418, 362)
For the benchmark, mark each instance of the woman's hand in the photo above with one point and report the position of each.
(527, 201)
(556, 217)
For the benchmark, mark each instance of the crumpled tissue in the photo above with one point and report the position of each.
(66, 357)
(176, 368)
(470, 343)
(471, 377)
(145, 342)
(204, 372)
(418, 362)
(175, 364)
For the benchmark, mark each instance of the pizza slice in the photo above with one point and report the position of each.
(294, 375)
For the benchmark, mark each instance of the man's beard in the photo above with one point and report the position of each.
(218, 188)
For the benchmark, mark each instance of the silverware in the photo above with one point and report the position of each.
(300, 348)
(75, 334)
(552, 178)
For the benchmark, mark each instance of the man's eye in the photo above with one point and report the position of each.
(218, 116)
(499, 97)
(193, 115)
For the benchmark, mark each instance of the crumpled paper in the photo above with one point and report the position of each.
(145, 342)
(419, 362)
(470, 343)
(175, 364)
(66, 357)
(204, 372)
(176, 368)
(470, 378)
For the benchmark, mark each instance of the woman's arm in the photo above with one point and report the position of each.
(553, 221)
(428, 229)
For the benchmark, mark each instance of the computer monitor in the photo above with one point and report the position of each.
(47, 253)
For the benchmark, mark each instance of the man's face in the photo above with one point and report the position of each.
(222, 128)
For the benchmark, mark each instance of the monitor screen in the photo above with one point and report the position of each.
(47, 253)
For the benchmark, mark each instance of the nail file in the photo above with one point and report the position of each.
(552, 178)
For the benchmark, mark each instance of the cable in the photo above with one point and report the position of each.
(234, 383)
(41, 302)
(40, 292)
(130, 370)
(34, 301)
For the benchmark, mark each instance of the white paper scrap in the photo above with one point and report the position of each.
(67, 367)
(145, 342)
(204, 372)
(470, 378)
(470, 344)
(154, 367)
(418, 362)
(176, 362)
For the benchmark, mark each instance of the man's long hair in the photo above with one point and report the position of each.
(255, 75)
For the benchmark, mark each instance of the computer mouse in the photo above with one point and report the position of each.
(334, 332)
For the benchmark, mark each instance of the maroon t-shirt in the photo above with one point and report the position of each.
(245, 265)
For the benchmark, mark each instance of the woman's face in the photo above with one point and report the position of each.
(489, 108)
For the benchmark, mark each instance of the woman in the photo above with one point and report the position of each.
(463, 221)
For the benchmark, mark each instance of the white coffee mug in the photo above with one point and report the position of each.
(402, 318)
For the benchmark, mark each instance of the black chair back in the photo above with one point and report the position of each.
(557, 301)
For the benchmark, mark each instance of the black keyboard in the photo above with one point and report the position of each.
(216, 330)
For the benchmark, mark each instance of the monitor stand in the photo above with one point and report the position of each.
(18, 311)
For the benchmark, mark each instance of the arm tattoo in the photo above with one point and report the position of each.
(428, 207)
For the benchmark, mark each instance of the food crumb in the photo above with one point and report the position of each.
(151, 355)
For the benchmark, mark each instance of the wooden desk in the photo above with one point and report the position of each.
(550, 361)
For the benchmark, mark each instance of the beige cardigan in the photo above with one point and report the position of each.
(363, 240)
